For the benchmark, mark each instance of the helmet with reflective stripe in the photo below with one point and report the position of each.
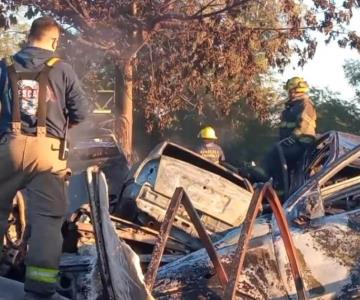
(207, 133)
(297, 84)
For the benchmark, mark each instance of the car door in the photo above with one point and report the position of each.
(326, 233)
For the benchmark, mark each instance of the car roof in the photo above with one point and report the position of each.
(346, 142)
(339, 143)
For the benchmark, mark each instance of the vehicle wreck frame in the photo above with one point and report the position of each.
(291, 206)
(262, 191)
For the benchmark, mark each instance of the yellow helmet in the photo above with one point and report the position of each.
(207, 133)
(297, 84)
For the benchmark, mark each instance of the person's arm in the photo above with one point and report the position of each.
(76, 101)
(222, 156)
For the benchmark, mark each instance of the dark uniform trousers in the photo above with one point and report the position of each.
(32, 162)
(273, 165)
(297, 134)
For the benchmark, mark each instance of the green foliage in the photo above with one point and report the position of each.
(243, 136)
(335, 113)
(352, 73)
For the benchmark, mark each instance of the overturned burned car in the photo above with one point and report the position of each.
(324, 221)
(220, 196)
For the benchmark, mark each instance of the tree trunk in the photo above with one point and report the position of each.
(124, 99)
(124, 108)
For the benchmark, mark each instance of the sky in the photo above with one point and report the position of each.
(326, 68)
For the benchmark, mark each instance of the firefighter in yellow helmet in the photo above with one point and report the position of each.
(298, 120)
(208, 148)
(297, 131)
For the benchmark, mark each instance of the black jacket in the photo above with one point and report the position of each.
(211, 151)
(66, 96)
(298, 119)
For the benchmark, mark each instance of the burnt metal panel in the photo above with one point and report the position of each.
(119, 266)
(220, 197)
(328, 252)
(183, 154)
(210, 193)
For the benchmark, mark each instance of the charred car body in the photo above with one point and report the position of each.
(328, 148)
(324, 218)
(103, 151)
(220, 196)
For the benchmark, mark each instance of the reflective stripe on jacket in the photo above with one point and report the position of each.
(212, 152)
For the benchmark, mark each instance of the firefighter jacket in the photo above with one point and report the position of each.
(211, 152)
(64, 94)
(299, 119)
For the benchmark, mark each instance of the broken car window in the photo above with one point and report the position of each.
(318, 157)
(342, 192)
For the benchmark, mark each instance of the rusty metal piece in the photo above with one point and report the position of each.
(163, 237)
(280, 217)
(204, 237)
(129, 234)
(179, 197)
(264, 191)
(243, 243)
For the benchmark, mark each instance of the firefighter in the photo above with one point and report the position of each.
(297, 131)
(39, 93)
(208, 148)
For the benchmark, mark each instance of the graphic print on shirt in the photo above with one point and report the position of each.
(29, 96)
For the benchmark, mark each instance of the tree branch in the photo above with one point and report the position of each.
(93, 44)
(81, 15)
(196, 16)
(83, 9)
